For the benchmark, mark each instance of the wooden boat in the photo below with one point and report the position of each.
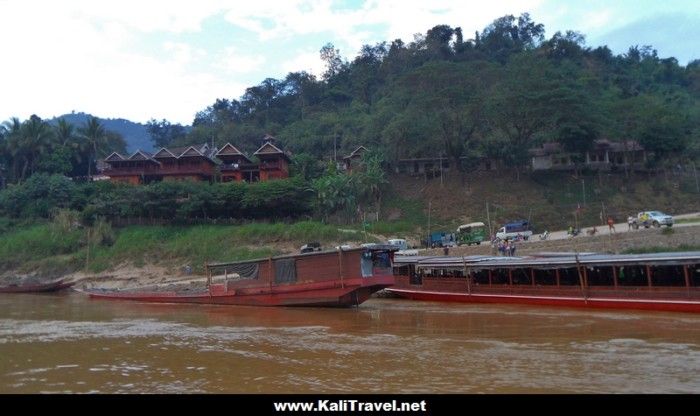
(660, 281)
(36, 287)
(331, 278)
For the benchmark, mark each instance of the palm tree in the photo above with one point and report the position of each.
(96, 136)
(26, 144)
(68, 137)
(65, 132)
(11, 132)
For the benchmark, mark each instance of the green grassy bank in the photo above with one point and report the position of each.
(55, 250)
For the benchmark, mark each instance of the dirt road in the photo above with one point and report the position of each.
(619, 228)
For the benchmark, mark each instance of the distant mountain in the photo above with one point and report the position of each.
(135, 134)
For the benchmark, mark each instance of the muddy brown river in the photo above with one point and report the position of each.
(68, 343)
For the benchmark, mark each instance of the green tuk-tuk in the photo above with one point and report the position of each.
(472, 233)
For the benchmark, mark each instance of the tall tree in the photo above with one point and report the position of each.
(94, 132)
(163, 133)
(519, 107)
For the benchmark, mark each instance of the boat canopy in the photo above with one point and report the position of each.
(550, 262)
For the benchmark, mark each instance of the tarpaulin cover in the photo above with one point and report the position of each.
(285, 271)
(245, 270)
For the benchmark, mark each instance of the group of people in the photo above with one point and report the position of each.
(504, 247)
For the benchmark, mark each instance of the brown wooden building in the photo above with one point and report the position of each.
(236, 166)
(352, 160)
(194, 163)
(199, 163)
(274, 163)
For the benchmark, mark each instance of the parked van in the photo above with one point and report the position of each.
(515, 229)
(398, 242)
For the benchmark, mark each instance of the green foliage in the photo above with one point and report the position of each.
(35, 243)
(174, 202)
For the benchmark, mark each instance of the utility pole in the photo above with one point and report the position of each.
(87, 257)
(583, 184)
(488, 219)
(430, 207)
(335, 147)
(695, 172)
(441, 184)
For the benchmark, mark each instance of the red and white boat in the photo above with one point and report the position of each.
(659, 281)
(332, 278)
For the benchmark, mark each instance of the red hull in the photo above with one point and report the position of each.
(37, 288)
(348, 292)
(608, 303)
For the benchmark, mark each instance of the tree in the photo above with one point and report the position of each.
(334, 61)
(29, 143)
(96, 136)
(520, 106)
(371, 179)
(576, 120)
(163, 133)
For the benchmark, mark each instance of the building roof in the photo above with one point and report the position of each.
(141, 155)
(164, 153)
(202, 150)
(114, 157)
(551, 148)
(269, 149)
(230, 150)
(356, 153)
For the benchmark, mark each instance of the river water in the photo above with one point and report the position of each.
(68, 343)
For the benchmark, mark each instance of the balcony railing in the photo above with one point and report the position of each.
(166, 170)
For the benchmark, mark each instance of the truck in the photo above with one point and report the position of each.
(648, 218)
(514, 230)
(472, 233)
(441, 239)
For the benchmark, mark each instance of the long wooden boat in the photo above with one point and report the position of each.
(36, 287)
(659, 281)
(332, 278)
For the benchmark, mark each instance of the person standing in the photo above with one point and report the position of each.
(630, 221)
(611, 225)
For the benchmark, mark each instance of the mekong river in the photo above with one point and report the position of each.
(56, 343)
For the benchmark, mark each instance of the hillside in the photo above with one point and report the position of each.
(134, 134)
(549, 200)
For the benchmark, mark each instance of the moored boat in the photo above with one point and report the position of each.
(36, 287)
(330, 278)
(659, 281)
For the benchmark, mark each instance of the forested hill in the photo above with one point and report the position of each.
(135, 134)
(505, 90)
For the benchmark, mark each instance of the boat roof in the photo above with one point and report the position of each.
(377, 247)
(551, 262)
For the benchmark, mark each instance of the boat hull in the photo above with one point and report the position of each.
(37, 288)
(670, 305)
(340, 293)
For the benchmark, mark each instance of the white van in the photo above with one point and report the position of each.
(398, 242)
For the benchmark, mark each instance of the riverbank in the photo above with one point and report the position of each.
(159, 256)
(141, 255)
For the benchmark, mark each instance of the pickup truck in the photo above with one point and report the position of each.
(515, 230)
(648, 218)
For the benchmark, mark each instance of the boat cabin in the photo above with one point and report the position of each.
(661, 281)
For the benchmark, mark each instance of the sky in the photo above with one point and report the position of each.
(169, 59)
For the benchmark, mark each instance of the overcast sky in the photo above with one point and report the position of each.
(169, 59)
